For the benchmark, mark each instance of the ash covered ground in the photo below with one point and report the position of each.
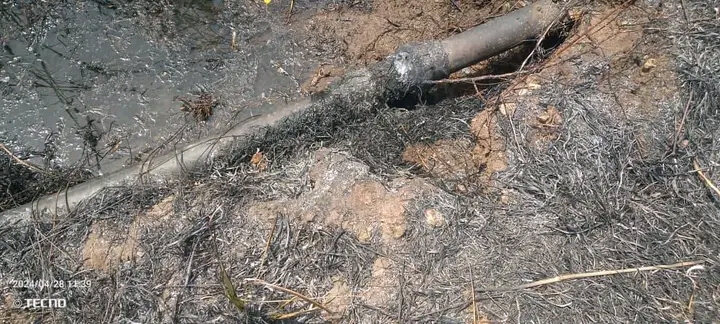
(601, 156)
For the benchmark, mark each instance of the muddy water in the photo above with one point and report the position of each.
(92, 83)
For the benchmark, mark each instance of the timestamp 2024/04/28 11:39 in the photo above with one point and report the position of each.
(43, 283)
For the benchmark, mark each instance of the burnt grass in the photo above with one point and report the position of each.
(598, 198)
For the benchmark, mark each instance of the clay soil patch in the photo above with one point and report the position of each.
(366, 37)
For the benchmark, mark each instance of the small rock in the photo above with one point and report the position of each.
(365, 235)
(575, 14)
(505, 197)
(508, 109)
(550, 117)
(434, 218)
(684, 144)
(397, 230)
(339, 297)
(649, 65)
(259, 161)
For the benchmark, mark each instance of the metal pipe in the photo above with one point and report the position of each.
(500, 34)
(188, 157)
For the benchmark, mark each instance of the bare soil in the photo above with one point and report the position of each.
(344, 194)
(561, 169)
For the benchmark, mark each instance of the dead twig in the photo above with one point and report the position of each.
(584, 275)
(293, 314)
(267, 247)
(704, 178)
(455, 4)
(289, 14)
(292, 292)
(474, 303)
(477, 78)
(21, 162)
(676, 138)
(537, 45)
(684, 10)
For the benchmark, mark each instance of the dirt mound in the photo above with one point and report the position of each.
(463, 160)
(109, 246)
(344, 194)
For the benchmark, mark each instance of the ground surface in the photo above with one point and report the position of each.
(87, 87)
(600, 156)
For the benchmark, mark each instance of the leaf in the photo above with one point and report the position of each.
(230, 289)
(267, 2)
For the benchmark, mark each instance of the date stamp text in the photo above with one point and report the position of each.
(42, 284)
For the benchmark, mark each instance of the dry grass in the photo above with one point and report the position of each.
(608, 192)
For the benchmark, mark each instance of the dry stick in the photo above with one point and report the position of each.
(461, 306)
(684, 10)
(682, 123)
(477, 78)
(584, 275)
(21, 162)
(474, 303)
(293, 314)
(292, 292)
(267, 247)
(377, 309)
(691, 301)
(705, 179)
(289, 14)
(537, 45)
(400, 293)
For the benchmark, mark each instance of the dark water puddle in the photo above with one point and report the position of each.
(92, 83)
